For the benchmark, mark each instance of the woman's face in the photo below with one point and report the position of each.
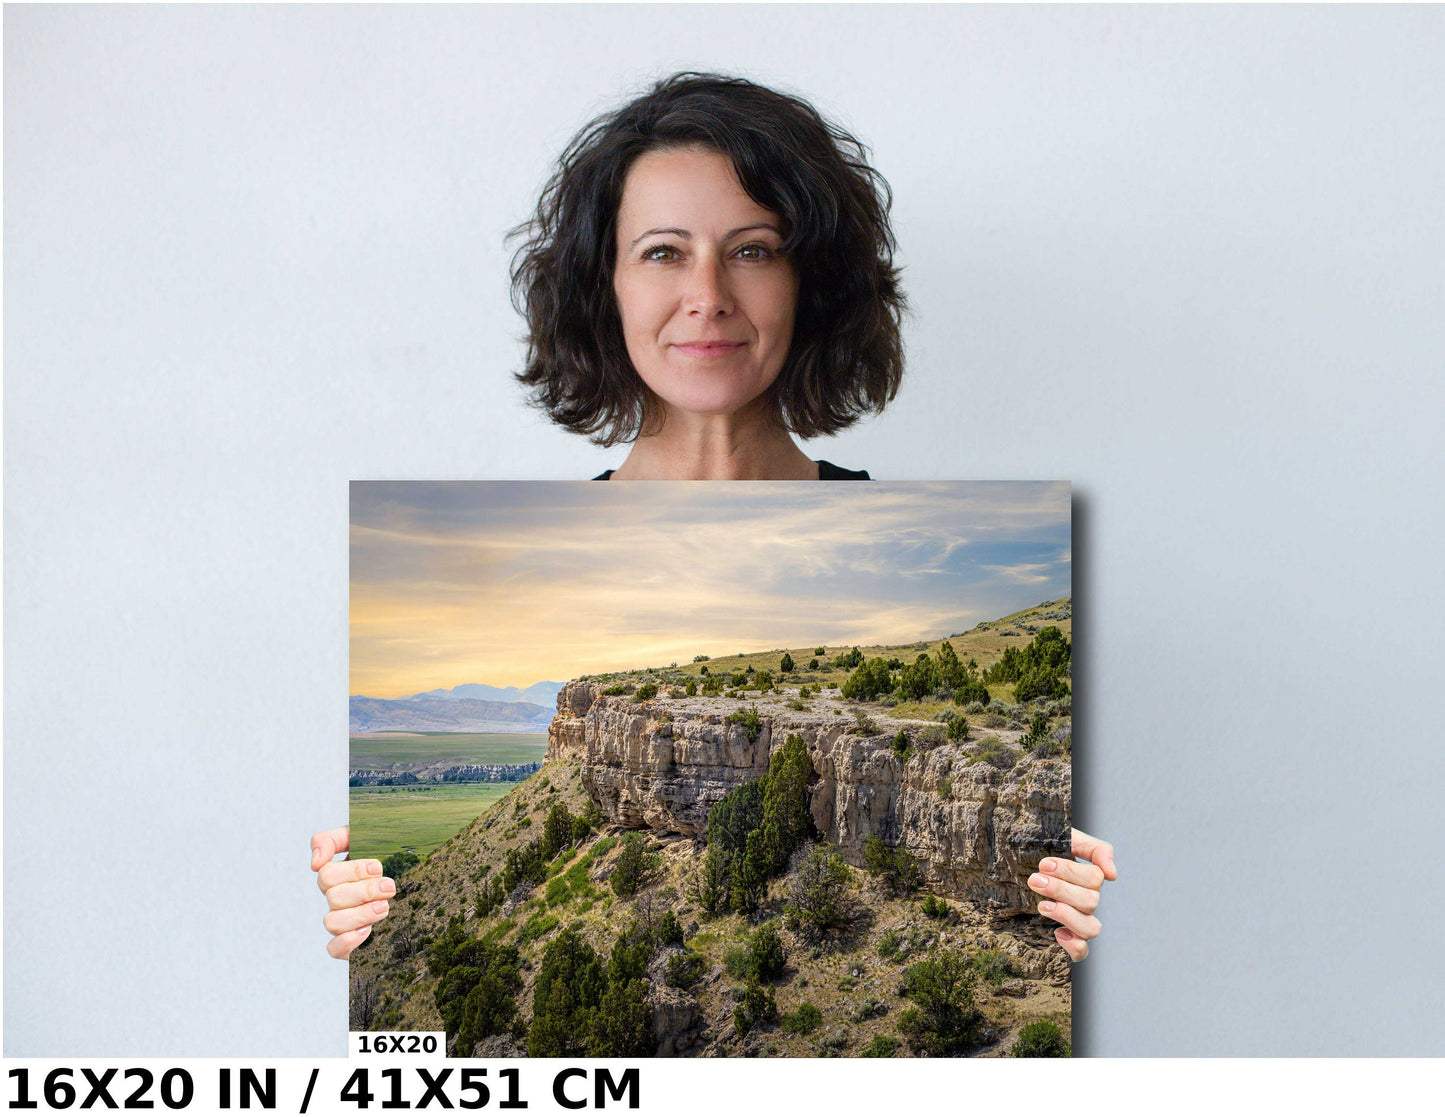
(706, 299)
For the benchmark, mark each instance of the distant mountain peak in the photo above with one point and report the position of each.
(542, 694)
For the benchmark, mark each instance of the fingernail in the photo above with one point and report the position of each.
(1038, 882)
(373, 867)
(1047, 905)
(1049, 865)
(1064, 933)
(365, 931)
(380, 907)
(386, 886)
(1111, 866)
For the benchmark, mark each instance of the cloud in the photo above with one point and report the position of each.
(510, 582)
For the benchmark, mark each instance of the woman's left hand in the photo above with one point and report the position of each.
(1072, 888)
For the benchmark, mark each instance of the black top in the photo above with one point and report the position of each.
(827, 471)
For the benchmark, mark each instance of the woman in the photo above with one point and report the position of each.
(708, 274)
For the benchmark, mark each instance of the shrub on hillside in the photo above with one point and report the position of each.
(758, 1006)
(749, 719)
(1041, 1040)
(398, 863)
(684, 969)
(815, 900)
(895, 868)
(946, 1021)
(631, 867)
(994, 967)
(993, 751)
(802, 1020)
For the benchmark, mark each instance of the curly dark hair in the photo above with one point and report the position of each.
(846, 357)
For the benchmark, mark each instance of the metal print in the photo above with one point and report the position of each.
(713, 768)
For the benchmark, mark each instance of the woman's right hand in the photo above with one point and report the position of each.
(356, 891)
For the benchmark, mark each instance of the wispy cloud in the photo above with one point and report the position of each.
(511, 582)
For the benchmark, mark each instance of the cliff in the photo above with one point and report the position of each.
(978, 830)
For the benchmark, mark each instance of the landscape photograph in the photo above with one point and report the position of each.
(688, 769)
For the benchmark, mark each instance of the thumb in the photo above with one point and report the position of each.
(1100, 852)
(327, 844)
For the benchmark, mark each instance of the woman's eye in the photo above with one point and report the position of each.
(661, 252)
(754, 252)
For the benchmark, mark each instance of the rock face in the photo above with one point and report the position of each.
(977, 831)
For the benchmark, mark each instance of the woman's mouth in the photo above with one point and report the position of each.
(707, 348)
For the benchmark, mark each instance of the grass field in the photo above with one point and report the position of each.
(387, 819)
(422, 817)
(474, 748)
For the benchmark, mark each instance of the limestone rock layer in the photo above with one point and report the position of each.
(976, 830)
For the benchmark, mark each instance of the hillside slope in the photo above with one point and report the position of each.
(977, 812)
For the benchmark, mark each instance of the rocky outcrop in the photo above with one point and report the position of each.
(978, 831)
(678, 1021)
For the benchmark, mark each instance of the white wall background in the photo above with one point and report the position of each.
(1191, 258)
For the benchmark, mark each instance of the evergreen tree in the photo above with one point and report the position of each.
(950, 670)
(556, 832)
(750, 875)
(918, 679)
(570, 986)
(475, 986)
(622, 1024)
(525, 865)
(669, 929)
(768, 955)
(787, 664)
(715, 889)
(631, 865)
(868, 681)
(785, 821)
(734, 815)
(488, 1009)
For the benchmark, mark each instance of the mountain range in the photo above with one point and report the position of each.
(468, 708)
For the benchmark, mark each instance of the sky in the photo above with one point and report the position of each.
(510, 583)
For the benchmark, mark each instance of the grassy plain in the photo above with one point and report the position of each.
(423, 816)
(420, 817)
(471, 748)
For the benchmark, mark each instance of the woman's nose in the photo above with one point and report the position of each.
(708, 294)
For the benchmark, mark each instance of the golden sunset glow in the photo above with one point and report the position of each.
(513, 583)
